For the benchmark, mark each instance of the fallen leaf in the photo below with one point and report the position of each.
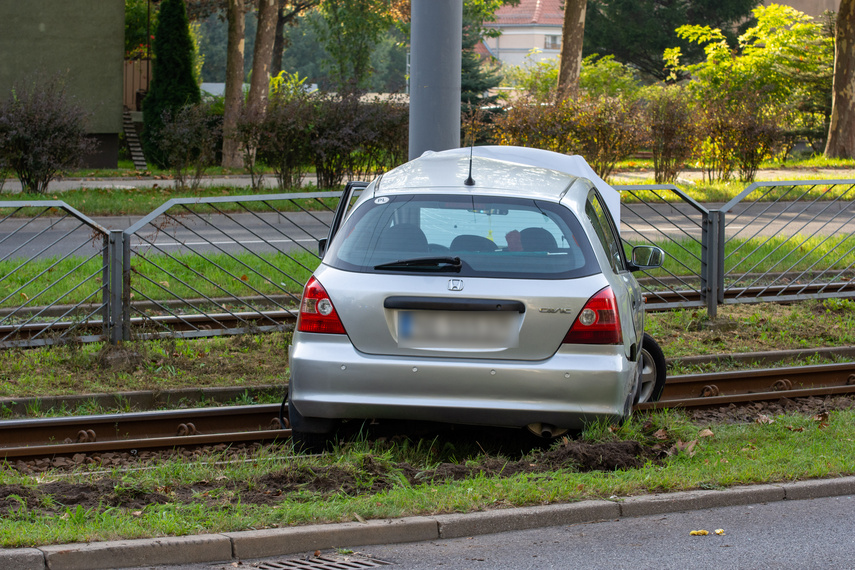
(821, 417)
(317, 553)
(24, 295)
(244, 278)
(137, 513)
(164, 283)
(699, 533)
(706, 433)
(719, 531)
(791, 428)
(764, 419)
(359, 518)
(661, 434)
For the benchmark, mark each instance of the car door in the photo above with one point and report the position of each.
(344, 204)
(630, 296)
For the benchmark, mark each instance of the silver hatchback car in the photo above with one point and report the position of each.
(467, 287)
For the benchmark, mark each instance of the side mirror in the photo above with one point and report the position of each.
(646, 257)
(322, 247)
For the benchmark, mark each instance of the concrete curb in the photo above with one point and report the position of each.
(235, 546)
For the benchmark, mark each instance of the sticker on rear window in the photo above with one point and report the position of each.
(381, 200)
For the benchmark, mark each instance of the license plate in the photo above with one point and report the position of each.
(458, 330)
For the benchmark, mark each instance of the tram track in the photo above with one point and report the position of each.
(133, 432)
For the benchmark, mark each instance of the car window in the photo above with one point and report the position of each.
(492, 236)
(604, 229)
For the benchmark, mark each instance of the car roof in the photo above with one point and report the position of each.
(442, 171)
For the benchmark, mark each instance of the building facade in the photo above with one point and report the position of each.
(83, 42)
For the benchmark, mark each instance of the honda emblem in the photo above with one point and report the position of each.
(455, 284)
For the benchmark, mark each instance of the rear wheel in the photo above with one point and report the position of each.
(309, 435)
(652, 371)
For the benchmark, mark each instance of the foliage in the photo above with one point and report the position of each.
(782, 71)
(672, 129)
(173, 84)
(637, 32)
(187, 141)
(42, 132)
(607, 129)
(603, 76)
(602, 129)
(536, 78)
(137, 26)
(349, 30)
(285, 145)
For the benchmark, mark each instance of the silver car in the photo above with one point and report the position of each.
(473, 289)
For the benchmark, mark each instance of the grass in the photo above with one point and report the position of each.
(161, 277)
(260, 360)
(226, 276)
(140, 201)
(793, 447)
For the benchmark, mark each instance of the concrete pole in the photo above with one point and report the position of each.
(436, 41)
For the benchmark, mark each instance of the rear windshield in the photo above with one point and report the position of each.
(490, 236)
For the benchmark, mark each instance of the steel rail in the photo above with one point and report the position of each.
(48, 437)
(742, 386)
(140, 430)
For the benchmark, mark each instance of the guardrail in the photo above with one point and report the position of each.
(230, 265)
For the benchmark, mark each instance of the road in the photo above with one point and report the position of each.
(785, 535)
(258, 232)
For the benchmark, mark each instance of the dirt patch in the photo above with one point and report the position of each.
(749, 413)
(369, 477)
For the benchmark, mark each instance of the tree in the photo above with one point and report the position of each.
(841, 130)
(637, 32)
(173, 84)
(572, 36)
(349, 30)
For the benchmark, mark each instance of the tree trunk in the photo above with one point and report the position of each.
(268, 13)
(234, 82)
(278, 42)
(573, 33)
(841, 130)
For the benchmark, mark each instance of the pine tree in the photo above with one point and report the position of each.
(173, 84)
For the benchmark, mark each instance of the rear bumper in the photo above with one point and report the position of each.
(331, 379)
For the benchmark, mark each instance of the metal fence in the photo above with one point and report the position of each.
(229, 265)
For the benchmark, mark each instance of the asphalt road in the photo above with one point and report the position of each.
(791, 534)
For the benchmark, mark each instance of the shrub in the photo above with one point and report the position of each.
(334, 136)
(671, 130)
(285, 143)
(248, 133)
(188, 143)
(536, 124)
(740, 132)
(383, 127)
(607, 129)
(42, 132)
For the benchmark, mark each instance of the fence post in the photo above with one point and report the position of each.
(114, 303)
(126, 286)
(712, 259)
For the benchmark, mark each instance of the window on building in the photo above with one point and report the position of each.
(552, 42)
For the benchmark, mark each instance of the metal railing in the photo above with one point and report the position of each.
(54, 275)
(229, 265)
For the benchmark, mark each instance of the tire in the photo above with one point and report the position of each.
(653, 371)
(309, 435)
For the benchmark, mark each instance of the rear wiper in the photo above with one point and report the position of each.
(424, 264)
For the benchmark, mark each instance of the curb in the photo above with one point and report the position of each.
(245, 545)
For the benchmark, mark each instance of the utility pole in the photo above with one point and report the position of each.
(436, 42)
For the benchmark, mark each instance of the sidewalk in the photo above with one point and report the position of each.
(234, 547)
(269, 181)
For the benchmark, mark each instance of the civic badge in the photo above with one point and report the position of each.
(455, 284)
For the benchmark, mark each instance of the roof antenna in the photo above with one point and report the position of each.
(469, 181)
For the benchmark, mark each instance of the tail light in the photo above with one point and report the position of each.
(598, 322)
(317, 314)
